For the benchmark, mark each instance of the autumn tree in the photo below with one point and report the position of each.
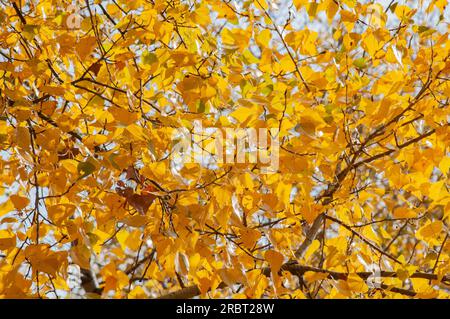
(93, 203)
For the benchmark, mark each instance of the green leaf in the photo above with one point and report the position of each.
(85, 168)
(360, 63)
(149, 58)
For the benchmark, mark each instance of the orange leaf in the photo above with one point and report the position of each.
(275, 260)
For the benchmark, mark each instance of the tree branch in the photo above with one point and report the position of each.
(300, 270)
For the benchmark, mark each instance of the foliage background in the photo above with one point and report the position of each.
(91, 205)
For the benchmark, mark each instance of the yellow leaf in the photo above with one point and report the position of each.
(369, 233)
(404, 212)
(430, 230)
(231, 276)
(283, 192)
(23, 137)
(70, 165)
(85, 46)
(19, 201)
(275, 260)
(6, 207)
(42, 258)
(370, 44)
(246, 116)
(7, 240)
(137, 293)
(263, 4)
(356, 283)
(80, 254)
(60, 213)
(249, 237)
(312, 248)
(312, 276)
(247, 202)
(444, 165)
(437, 190)
(300, 3)
(263, 38)
(181, 264)
(310, 121)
